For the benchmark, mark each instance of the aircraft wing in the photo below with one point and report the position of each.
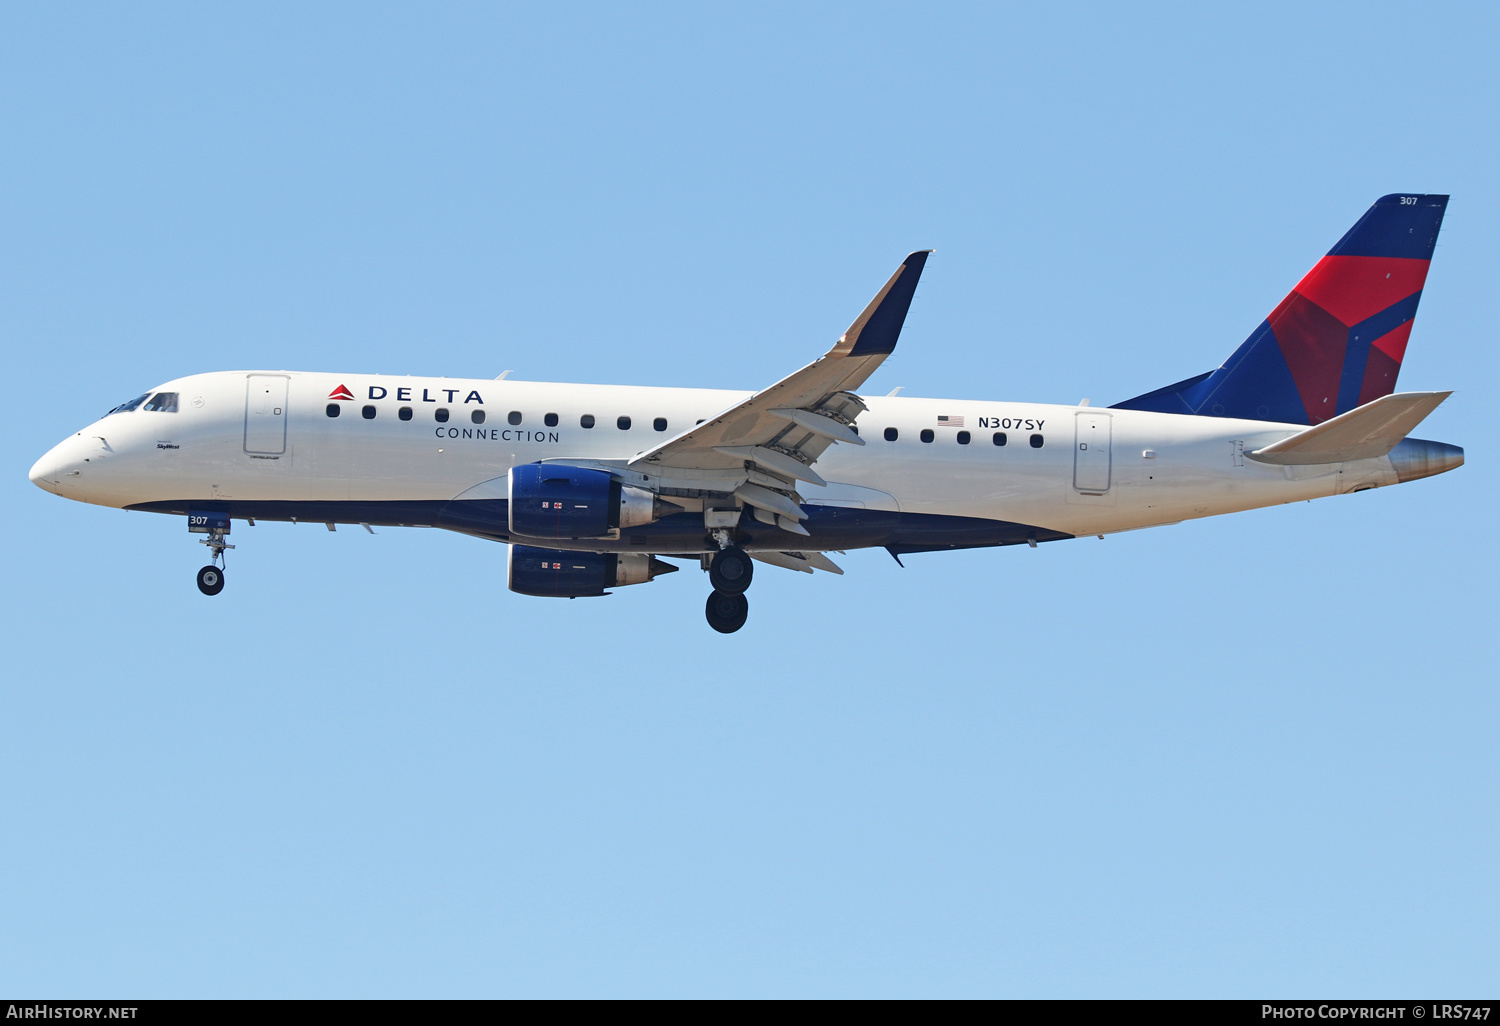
(761, 447)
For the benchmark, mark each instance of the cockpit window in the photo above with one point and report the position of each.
(130, 406)
(163, 402)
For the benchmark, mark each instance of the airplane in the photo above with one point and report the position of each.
(596, 487)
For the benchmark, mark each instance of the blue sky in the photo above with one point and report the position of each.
(1245, 756)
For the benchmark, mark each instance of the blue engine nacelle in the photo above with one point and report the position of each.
(551, 500)
(558, 573)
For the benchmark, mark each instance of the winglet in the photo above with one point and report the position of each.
(875, 331)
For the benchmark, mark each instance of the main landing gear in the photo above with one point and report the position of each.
(730, 572)
(726, 613)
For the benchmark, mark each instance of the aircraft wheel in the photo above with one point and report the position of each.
(726, 613)
(731, 571)
(210, 580)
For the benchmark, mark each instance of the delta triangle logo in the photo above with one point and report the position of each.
(341, 393)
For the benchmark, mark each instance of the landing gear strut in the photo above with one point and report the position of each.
(730, 572)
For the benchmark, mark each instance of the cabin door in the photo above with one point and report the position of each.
(265, 414)
(1091, 453)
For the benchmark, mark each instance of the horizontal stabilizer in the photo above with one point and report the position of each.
(1363, 433)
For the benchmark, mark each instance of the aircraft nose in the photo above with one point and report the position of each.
(44, 472)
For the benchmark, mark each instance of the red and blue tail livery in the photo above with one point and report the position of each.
(1337, 340)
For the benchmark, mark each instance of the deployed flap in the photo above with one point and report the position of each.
(778, 419)
(800, 561)
(783, 559)
(1366, 432)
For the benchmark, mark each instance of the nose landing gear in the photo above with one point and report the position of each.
(216, 526)
(210, 580)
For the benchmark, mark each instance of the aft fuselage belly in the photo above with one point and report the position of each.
(238, 444)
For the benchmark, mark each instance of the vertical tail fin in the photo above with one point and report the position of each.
(1337, 340)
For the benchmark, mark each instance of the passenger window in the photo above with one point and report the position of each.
(404, 413)
(999, 437)
(440, 414)
(926, 435)
(963, 438)
(660, 423)
(163, 402)
(550, 420)
(1036, 441)
(478, 417)
(333, 410)
(891, 434)
(586, 421)
(368, 413)
(130, 406)
(514, 417)
(623, 423)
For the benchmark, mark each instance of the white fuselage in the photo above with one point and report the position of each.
(238, 441)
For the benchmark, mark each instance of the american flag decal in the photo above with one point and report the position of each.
(945, 421)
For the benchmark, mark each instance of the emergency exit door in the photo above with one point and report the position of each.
(1091, 453)
(265, 414)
